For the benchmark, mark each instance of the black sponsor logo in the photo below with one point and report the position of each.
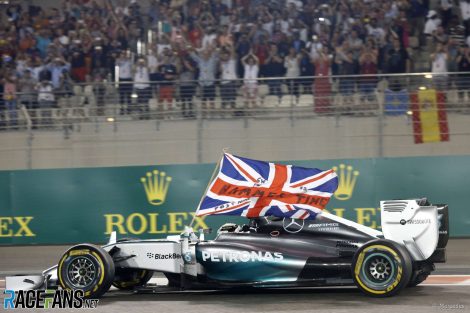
(168, 256)
(421, 221)
(416, 221)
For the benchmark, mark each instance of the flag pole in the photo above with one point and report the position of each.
(224, 150)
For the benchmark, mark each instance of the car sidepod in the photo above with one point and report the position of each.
(313, 253)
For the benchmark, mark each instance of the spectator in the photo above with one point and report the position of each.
(322, 85)
(456, 31)
(292, 65)
(27, 85)
(42, 42)
(297, 42)
(446, 12)
(92, 35)
(228, 70)
(368, 66)
(439, 66)
(152, 64)
(9, 98)
(346, 67)
(142, 86)
(315, 47)
(209, 39)
(78, 66)
(274, 67)
(46, 101)
(168, 73)
(111, 62)
(56, 68)
(452, 52)
(463, 65)
(207, 64)
(35, 67)
(242, 48)
(390, 11)
(187, 86)
(307, 70)
(261, 50)
(98, 62)
(376, 32)
(355, 44)
(440, 36)
(27, 43)
(432, 23)
(125, 78)
(398, 62)
(225, 37)
(250, 83)
(65, 88)
(465, 13)
(403, 25)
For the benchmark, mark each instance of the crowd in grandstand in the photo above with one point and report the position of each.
(167, 48)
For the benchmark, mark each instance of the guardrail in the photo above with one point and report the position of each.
(336, 98)
(301, 97)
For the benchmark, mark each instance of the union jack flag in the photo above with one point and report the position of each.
(254, 188)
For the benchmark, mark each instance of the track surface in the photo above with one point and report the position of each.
(448, 290)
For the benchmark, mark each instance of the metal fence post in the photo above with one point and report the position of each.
(29, 126)
(200, 125)
(380, 125)
(246, 108)
(292, 95)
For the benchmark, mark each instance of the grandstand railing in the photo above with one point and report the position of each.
(302, 97)
(335, 97)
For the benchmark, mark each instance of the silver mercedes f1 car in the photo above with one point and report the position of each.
(268, 252)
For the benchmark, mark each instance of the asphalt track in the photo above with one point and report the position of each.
(447, 290)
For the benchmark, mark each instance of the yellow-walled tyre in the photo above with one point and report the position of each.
(381, 268)
(130, 278)
(86, 267)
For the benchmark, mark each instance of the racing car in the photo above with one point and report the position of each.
(267, 252)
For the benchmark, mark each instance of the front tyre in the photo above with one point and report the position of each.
(88, 268)
(381, 268)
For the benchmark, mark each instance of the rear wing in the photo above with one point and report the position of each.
(416, 224)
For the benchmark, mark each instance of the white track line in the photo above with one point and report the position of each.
(451, 275)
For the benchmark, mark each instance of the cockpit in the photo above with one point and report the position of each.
(265, 224)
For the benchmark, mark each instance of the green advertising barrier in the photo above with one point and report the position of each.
(63, 206)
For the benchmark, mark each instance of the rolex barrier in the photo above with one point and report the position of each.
(64, 206)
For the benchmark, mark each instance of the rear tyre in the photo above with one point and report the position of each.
(88, 268)
(381, 268)
(130, 278)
